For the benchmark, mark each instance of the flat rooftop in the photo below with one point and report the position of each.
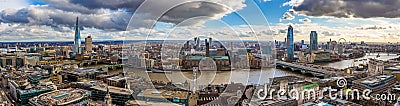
(374, 80)
(112, 89)
(154, 93)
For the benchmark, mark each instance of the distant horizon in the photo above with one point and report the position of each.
(96, 41)
(55, 20)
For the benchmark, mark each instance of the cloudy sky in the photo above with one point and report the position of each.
(53, 20)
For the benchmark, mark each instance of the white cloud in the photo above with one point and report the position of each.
(305, 20)
(13, 4)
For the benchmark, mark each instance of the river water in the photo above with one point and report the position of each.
(245, 76)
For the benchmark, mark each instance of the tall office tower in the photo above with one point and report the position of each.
(232, 46)
(195, 43)
(207, 49)
(210, 42)
(289, 44)
(88, 42)
(8, 48)
(198, 43)
(187, 45)
(328, 45)
(77, 39)
(314, 40)
(132, 47)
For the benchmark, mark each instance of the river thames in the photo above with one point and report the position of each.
(245, 76)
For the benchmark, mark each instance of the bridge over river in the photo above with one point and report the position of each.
(315, 71)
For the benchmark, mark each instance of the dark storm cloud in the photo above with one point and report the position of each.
(350, 8)
(194, 9)
(110, 4)
(58, 18)
(110, 14)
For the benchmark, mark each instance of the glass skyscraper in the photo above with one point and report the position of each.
(289, 44)
(313, 41)
(77, 39)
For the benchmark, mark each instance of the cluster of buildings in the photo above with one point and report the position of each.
(91, 74)
(59, 74)
(207, 54)
(316, 52)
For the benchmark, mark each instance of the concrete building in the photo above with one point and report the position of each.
(221, 62)
(117, 81)
(89, 45)
(22, 91)
(377, 84)
(317, 57)
(13, 60)
(78, 74)
(154, 95)
(119, 95)
(375, 67)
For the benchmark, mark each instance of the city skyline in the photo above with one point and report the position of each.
(199, 52)
(109, 21)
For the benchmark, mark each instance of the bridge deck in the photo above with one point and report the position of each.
(312, 70)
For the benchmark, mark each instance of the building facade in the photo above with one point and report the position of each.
(375, 67)
(77, 39)
(313, 41)
(289, 44)
(89, 45)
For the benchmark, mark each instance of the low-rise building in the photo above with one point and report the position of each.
(376, 84)
(76, 75)
(119, 95)
(154, 95)
(117, 81)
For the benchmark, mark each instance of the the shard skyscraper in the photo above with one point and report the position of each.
(77, 39)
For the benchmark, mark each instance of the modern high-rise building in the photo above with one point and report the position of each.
(198, 43)
(289, 44)
(210, 42)
(313, 41)
(88, 42)
(207, 48)
(77, 39)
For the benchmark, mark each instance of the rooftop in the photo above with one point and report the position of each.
(154, 93)
(117, 78)
(112, 89)
(374, 80)
(59, 97)
(83, 71)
